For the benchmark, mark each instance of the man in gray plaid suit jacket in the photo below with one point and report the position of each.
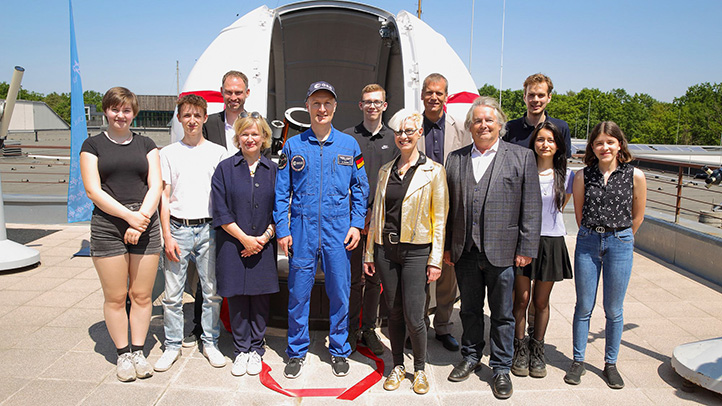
(494, 224)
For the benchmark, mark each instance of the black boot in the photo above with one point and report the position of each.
(537, 362)
(520, 362)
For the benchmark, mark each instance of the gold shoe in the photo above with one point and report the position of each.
(421, 383)
(397, 375)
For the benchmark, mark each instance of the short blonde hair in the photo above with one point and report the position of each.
(243, 123)
(402, 116)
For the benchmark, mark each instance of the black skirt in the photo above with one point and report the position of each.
(552, 263)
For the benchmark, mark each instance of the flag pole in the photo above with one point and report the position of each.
(79, 206)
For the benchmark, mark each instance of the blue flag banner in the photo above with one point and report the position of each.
(79, 206)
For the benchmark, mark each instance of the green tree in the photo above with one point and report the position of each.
(488, 90)
(60, 103)
(93, 97)
(702, 113)
(22, 93)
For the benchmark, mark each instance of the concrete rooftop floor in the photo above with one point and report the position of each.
(54, 347)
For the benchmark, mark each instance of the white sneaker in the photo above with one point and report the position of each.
(239, 364)
(166, 360)
(214, 356)
(125, 370)
(255, 364)
(142, 367)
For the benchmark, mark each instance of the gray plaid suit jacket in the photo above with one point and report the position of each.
(512, 209)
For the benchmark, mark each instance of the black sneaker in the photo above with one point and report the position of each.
(293, 368)
(339, 365)
(614, 380)
(574, 375)
(371, 340)
(191, 340)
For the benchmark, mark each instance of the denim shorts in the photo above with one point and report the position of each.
(107, 232)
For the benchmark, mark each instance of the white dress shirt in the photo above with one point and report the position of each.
(230, 134)
(481, 161)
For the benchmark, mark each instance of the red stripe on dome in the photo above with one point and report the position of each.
(211, 96)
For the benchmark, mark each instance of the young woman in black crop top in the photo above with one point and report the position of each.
(121, 174)
(609, 199)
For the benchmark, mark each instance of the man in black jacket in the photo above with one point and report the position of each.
(219, 127)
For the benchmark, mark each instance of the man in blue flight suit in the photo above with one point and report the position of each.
(321, 179)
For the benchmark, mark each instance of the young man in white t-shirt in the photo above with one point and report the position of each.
(185, 215)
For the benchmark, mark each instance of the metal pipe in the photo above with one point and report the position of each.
(678, 204)
(10, 101)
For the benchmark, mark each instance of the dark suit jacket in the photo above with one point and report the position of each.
(512, 209)
(214, 129)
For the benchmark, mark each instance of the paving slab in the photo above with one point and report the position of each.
(55, 348)
(50, 392)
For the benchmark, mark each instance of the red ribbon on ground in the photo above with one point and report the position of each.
(339, 393)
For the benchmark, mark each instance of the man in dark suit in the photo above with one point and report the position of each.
(219, 127)
(495, 215)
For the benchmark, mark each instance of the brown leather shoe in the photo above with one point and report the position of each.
(397, 375)
(421, 383)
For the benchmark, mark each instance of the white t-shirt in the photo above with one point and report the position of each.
(189, 170)
(552, 219)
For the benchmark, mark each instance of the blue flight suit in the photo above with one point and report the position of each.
(316, 181)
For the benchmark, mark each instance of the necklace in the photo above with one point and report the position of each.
(252, 168)
(550, 185)
(125, 141)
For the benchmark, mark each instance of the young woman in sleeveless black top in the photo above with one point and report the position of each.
(609, 200)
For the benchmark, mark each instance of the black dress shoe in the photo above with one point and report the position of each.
(502, 386)
(463, 369)
(448, 341)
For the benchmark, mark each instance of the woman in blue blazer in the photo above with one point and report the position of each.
(242, 198)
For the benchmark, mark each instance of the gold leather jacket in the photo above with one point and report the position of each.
(423, 213)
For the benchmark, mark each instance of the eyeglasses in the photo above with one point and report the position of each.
(409, 132)
(255, 114)
(375, 103)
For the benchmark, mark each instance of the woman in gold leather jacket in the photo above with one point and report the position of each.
(406, 242)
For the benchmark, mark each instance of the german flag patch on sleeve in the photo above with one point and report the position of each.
(359, 159)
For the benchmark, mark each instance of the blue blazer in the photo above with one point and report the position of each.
(247, 201)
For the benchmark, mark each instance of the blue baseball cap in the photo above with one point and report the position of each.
(321, 85)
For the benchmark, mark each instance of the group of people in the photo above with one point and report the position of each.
(423, 200)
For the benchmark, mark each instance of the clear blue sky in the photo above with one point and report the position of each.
(657, 47)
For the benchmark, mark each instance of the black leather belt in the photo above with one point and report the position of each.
(602, 229)
(392, 238)
(191, 222)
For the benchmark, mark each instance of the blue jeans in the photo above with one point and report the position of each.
(475, 275)
(611, 253)
(197, 244)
